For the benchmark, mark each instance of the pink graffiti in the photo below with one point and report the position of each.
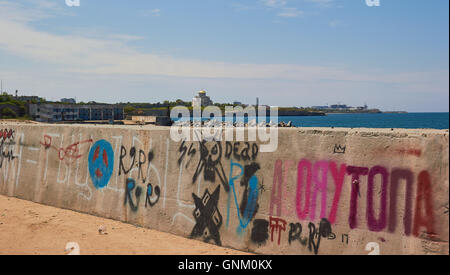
(312, 184)
(374, 223)
(304, 166)
(320, 179)
(279, 189)
(338, 178)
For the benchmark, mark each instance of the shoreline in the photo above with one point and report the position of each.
(295, 128)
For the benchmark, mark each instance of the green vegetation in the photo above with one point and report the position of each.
(8, 113)
(296, 109)
(165, 104)
(10, 100)
(129, 109)
(371, 111)
(25, 117)
(12, 108)
(149, 108)
(161, 108)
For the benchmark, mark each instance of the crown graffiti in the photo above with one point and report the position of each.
(338, 149)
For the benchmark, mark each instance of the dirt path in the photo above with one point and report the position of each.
(30, 228)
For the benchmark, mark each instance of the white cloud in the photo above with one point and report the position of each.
(290, 12)
(153, 12)
(34, 10)
(126, 37)
(241, 7)
(282, 9)
(109, 56)
(274, 3)
(336, 23)
(324, 3)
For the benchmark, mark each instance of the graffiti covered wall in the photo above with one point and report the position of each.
(324, 191)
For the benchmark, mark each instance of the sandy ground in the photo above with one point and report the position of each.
(34, 229)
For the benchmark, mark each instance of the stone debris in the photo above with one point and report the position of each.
(216, 123)
(102, 230)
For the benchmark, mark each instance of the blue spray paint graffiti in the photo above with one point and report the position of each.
(251, 194)
(101, 163)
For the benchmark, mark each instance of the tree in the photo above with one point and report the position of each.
(8, 113)
(179, 102)
(129, 109)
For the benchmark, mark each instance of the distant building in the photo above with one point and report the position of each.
(201, 100)
(29, 98)
(68, 100)
(237, 103)
(49, 112)
(365, 107)
(320, 107)
(156, 120)
(339, 106)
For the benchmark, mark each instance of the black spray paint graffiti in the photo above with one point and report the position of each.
(249, 172)
(338, 149)
(5, 154)
(314, 237)
(142, 159)
(260, 233)
(210, 168)
(183, 150)
(344, 238)
(207, 216)
(138, 159)
(123, 154)
(210, 164)
(6, 143)
(151, 196)
(130, 185)
(211, 153)
(249, 152)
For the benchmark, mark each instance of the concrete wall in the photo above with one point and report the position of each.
(324, 191)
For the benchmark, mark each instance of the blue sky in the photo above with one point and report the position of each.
(286, 52)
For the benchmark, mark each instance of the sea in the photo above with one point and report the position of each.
(363, 120)
(366, 120)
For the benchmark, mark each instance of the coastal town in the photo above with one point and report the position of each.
(68, 110)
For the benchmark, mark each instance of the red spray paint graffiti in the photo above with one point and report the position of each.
(424, 200)
(70, 153)
(277, 225)
(6, 134)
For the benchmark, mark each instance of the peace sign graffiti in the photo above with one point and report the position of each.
(101, 163)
